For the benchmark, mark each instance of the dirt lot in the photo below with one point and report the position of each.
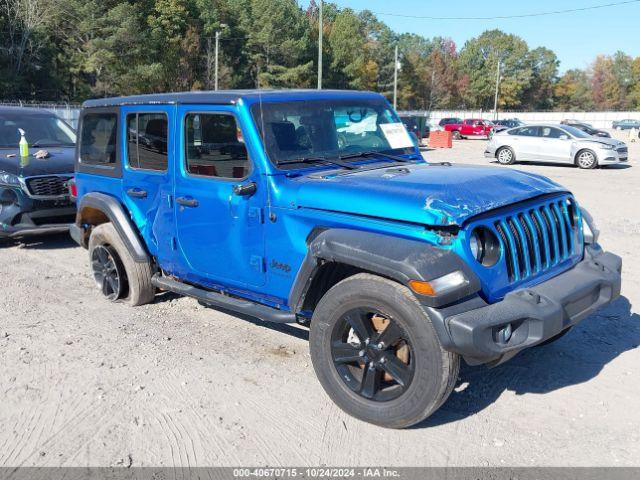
(85, 382)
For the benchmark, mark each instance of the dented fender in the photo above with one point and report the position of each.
(396, 258)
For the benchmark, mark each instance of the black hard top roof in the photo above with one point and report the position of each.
(221, 97)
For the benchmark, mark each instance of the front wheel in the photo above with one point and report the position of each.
(586, 159)
(377, 354)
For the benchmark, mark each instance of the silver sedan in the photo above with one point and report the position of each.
(556, 144)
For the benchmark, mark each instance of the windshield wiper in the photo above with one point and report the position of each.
(38, 144)
(373, 153)
(324, 160)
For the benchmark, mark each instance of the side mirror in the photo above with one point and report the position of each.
(564, 137)
(245, 190)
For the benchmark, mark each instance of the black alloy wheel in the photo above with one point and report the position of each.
(108, 272)
(372, 354)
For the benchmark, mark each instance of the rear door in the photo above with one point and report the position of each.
(146, 179)
(467, 128)
(555, 145)
(526, 142)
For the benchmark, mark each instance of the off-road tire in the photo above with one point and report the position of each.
(584, 164)
(506, 156)
(435, 370)
(139, 289)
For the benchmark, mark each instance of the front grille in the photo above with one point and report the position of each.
(53, 186)
(539, 237)
(623, 150)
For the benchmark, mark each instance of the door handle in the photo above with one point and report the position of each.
(187, 202)
(245, 190)
(137, 193)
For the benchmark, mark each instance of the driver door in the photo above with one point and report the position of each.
(219, 199)
(555, 145)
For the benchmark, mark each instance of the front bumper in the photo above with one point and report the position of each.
(611, 157)
(535, 314)
(22, 216)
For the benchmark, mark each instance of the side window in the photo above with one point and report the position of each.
(147, 141)
(525, 131)
(214, 146)
(550, 132)
(98, 139)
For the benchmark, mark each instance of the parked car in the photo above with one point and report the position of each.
(557, 144)
(509, 123)
(627, 124)
(400, 268)
(449, 121)
(34, 198)
(418, 125)
(472, 127)
(585, 127)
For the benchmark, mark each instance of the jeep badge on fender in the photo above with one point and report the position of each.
(399, 268)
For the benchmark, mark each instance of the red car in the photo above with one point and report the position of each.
(472, 127)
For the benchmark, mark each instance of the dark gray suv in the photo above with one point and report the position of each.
(34, 196)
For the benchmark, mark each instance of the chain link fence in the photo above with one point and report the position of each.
(69, 112)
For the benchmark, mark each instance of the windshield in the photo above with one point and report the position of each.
(329, 129)
(576, 132)
(40, 130)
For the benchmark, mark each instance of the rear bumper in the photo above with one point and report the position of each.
(534, 314)
(490, 152)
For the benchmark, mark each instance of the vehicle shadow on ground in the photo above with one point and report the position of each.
(564, 165)
(575, 358)
(57, 241)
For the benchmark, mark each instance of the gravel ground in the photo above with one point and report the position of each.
(89, 383)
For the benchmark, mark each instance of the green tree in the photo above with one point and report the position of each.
(572, 92)
(544, 66)
(479, 62)
(280, 44)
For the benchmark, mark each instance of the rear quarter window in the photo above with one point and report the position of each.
(98, 139)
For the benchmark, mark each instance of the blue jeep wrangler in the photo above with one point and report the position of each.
(317, 207)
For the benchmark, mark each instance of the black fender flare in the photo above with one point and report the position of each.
(118, 216)
(393, 257)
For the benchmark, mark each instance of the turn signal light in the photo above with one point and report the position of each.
(422, 288)
(440, 285)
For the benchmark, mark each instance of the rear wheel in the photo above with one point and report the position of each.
(505, 156)
(377, 354)
(114, 270)
(586, 159)
(456, 135)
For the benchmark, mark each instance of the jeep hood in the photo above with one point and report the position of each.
(435, 195)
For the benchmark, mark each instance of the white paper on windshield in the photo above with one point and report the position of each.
(396, 135)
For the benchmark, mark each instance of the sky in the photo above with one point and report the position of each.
(576, 38)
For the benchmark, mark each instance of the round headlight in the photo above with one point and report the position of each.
(484, 246)
(475, 246)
